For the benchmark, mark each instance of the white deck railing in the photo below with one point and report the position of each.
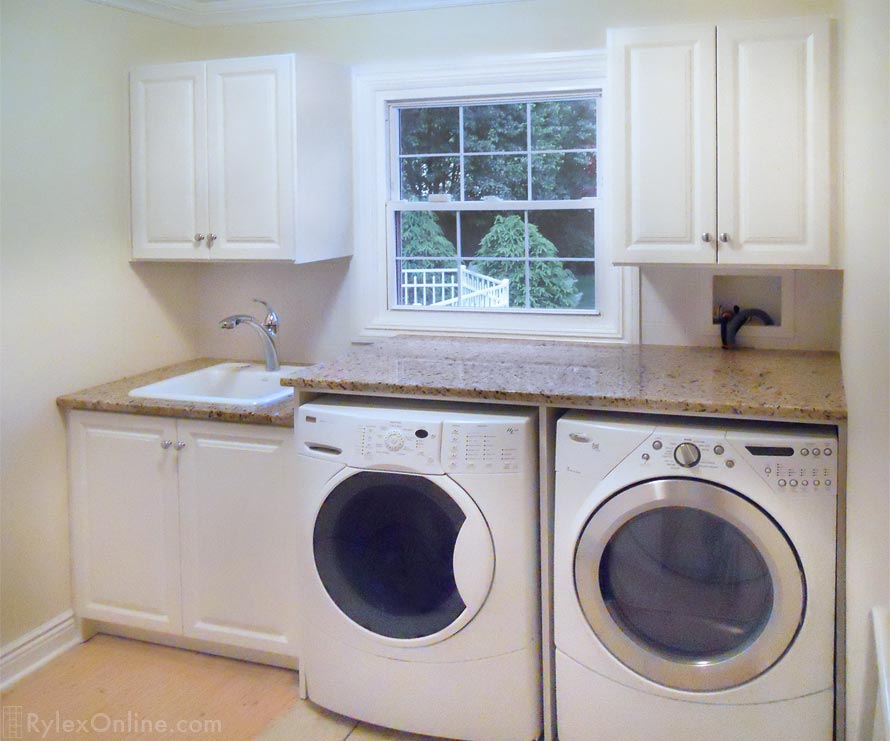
(440, 287)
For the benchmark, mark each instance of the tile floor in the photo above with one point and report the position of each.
(308, 722)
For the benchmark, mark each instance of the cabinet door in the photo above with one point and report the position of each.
(662, 173)
(773, 85)
(251, 157)
(239, 535)
(124, 520)
(168, 162)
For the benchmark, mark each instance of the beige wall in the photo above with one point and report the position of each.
(74, 312)
(864, 195)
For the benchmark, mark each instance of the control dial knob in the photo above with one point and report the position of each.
(393, 440)
(687, 455)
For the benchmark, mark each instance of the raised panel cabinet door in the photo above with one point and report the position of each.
(251, 134)
(662, 177)
(169, 162)
(773, 134)
(125, 519)
(239, 535)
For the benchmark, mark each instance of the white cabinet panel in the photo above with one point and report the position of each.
(721, 150)
(125, 520)
(773, 82)
(169, 161)
(216, 148)
(239, 535)
(663, 132)
(251, 162)
(185, 527)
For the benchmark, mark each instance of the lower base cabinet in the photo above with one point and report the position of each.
(185, 527)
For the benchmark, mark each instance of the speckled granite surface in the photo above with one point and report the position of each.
(113, 397)
(788, 385)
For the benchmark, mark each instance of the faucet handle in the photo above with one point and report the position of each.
(271, 320)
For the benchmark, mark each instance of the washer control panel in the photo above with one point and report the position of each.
(410, 445)
(392, 435)
(483, 448)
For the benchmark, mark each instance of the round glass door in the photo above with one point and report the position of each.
(384, 546)
(689, 584)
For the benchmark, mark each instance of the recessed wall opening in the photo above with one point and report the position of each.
(748, 292)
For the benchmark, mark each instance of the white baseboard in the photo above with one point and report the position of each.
(22, 656)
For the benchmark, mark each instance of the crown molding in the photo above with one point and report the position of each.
(202, 13)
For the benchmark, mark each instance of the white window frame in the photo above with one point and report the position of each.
(375, 90)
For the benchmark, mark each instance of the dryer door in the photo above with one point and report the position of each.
(689, 584)
(408, 558)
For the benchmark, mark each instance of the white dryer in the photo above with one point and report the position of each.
(419, 567)
(694, 580)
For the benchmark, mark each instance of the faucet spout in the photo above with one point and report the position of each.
(270, 352)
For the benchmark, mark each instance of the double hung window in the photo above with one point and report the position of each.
(493, 204)
(479, 200)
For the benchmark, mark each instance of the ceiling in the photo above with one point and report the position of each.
(227, 12)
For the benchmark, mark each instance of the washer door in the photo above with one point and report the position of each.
(407, 558)
(689, 584)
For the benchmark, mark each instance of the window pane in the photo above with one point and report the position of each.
(492, 234)
(552, 285)
(495, 128)
(564, 124)
(571, 232)
(428, 130)
(563, 176)
(585, 283)
(425, 176)
(494, 284)
(498, 176)
(426, 282)
(426, 234)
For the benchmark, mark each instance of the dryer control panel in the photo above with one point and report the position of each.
(791, 464)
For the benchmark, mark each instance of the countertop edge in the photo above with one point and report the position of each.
(604, 403)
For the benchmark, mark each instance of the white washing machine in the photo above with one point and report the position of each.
(694, 580)
(419, 566)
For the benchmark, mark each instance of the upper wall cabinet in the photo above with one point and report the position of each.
(241, 159)
(719, 143)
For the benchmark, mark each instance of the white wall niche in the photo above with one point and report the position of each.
(772, 292)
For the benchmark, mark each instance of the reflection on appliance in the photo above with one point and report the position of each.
(694, 580)
(419, 568)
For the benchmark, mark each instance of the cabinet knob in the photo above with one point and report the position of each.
(211, 238)
(706, 237)
(180, 444)
(724, 237)
(199, 237)
(166, 444)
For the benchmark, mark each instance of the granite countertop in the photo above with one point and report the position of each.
(764, 384)
(113, 397)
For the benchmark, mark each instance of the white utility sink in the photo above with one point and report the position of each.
(244, 384)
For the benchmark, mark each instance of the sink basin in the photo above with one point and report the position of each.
(243, 384)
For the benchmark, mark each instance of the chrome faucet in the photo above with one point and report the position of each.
(268, 330)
